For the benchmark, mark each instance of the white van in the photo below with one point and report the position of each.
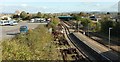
(4, 22)
(12, 22)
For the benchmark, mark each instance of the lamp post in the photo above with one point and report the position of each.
(109, 37)
(78, 25)
(88, 28)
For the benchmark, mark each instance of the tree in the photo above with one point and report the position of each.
(85, 22)
(29, 17)
(23, 14)
(116, 29)
(39, 15)
(108, 13)
(45, 16)
(105, 25)
(15, 16)
(54, 22)
(81, 14)
(77, 18)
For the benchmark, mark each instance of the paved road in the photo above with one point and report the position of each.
(5, 30)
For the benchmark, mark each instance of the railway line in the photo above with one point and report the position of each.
(87, 59)
(103, 42)
(90, 52)
(68, 51)
(114, 49)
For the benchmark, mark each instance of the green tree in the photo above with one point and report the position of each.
(116, 29)
(108, 13)
(45, 16)
(29, 17)
(15, 16)
(82, 14)
(23, 14)
(39, 15)
(77, 18)
(85, 22)
(106, 24)
(54, 22)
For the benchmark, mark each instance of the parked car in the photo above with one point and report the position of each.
(38, 20)
(23, 29)
(13, 23)
(6, 22)
(32, 20)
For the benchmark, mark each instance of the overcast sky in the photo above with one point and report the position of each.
(59, 0)
(57, 5)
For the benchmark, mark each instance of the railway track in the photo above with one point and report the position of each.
(68, 52)
(84, 55)
(81, 46)
(103, 43)
(114, 51)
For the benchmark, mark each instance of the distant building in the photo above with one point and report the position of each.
(66, 18)
(17, 12)
(5, 18)
(116, 18)
(94, 18)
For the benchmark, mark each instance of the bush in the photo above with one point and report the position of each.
(35, 45)
(105, 26)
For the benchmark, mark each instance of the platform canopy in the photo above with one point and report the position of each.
(66, 17)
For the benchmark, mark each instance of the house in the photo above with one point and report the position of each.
(116, 18)
(95, 18)
(5, 18)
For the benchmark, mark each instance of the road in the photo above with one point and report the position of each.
(12, 30)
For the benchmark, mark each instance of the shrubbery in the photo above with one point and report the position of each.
(114, 25)
(35, 45)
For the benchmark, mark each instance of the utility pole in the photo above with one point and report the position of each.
(78, 25)
(88, 28)
(109, 37)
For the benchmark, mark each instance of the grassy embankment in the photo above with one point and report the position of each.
(37, 44)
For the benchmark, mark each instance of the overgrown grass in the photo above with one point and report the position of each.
(35, 45)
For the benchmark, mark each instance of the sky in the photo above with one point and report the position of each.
(51, 6)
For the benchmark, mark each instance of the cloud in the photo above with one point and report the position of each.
(98, 4)
(44, 7)
(24, 5)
